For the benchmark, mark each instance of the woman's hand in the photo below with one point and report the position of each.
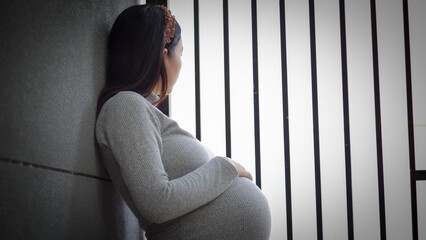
(242, 172)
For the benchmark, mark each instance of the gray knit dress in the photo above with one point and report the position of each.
(175, 187)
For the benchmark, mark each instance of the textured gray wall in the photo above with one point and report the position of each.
(52, 67)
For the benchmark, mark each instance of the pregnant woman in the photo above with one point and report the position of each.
(174, 185)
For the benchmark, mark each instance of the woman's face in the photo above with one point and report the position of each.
(173, 64)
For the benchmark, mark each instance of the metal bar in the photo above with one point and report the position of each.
(348, 164)
(379, 146)
(256, 92)
(412, 155)
(226, 71)
(157, 2)
(197, 72)
(419, 175)
(285, 121)
(315, 119)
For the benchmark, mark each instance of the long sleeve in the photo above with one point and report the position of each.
(131, 131)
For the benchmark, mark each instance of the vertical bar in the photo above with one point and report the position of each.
(285, 121)
(241, 84)
(421, 194)
(315, 119)
(300, 122)
(164, 106)
(362, 120)
(197, 72)
(396, 169)
(378, 122)
(412, 155)
(348, 164)
(331, 119)
(270, 118)
(226, 72)
(256, 93)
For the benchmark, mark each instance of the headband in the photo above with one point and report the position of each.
(169, 25)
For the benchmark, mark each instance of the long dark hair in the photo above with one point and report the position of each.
(135, 53)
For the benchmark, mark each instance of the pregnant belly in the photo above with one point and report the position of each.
(241, 212)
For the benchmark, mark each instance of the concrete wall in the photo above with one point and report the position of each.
(52, 67)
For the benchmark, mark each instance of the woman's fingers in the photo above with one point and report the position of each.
(242, 172)
(248, 175)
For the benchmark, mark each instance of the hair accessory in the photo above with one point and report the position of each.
(169, 25)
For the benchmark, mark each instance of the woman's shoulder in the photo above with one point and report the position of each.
(126, 98)
(125, 101)
(127, 104)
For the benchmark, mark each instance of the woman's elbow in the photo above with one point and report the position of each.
(157, 215)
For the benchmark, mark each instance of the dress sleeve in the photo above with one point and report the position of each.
(132, 131)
